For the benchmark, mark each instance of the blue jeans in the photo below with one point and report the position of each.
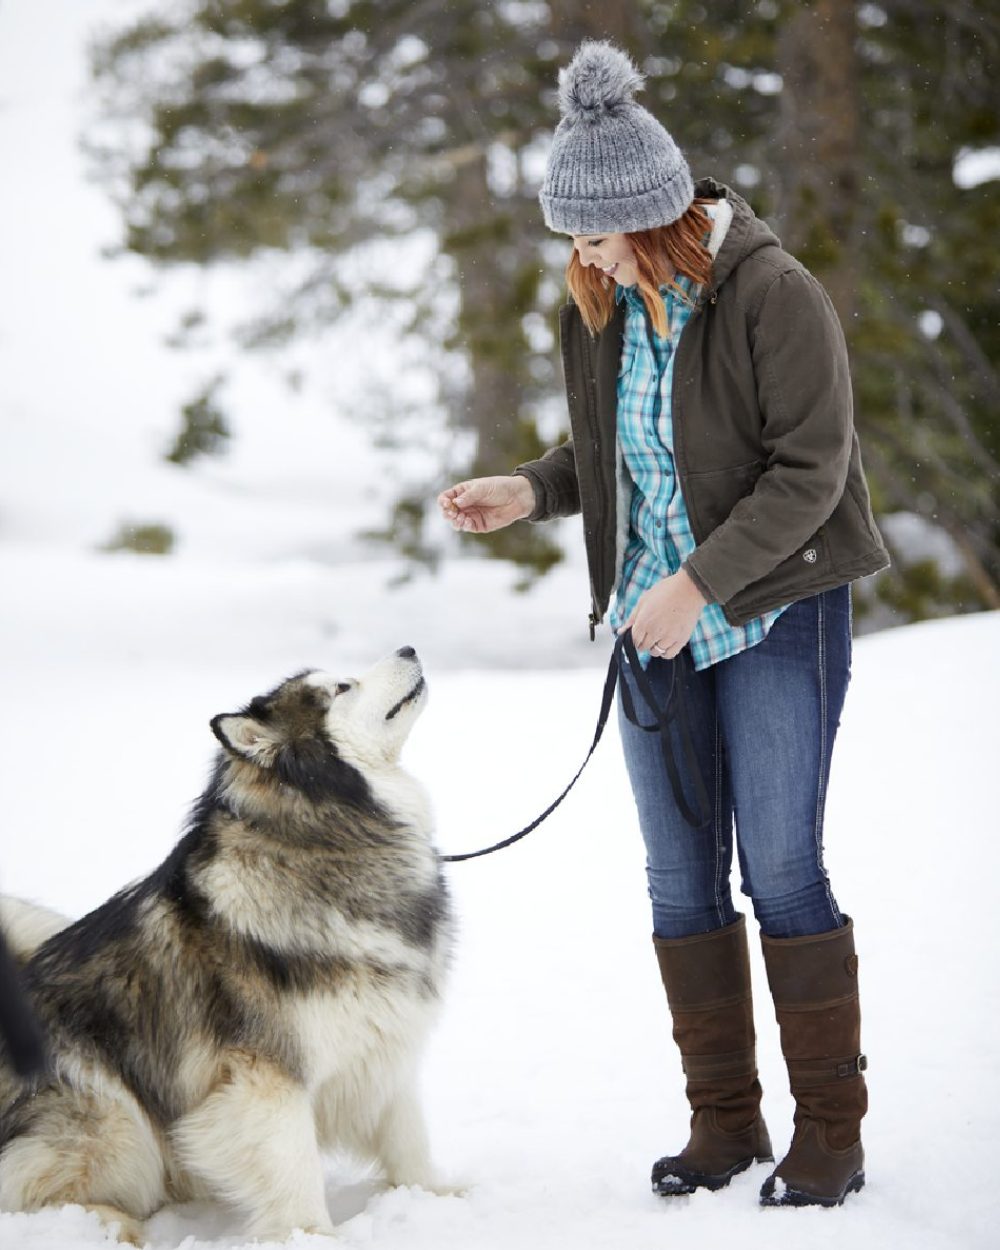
(763, 725)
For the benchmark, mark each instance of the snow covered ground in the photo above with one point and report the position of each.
(552, 1082)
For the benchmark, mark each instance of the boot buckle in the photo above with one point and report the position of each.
(854, 1067)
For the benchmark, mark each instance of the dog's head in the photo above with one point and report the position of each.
(315, 729)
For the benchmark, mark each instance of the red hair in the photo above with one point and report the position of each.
(660, 254)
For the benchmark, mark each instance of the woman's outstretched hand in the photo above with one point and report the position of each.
(487, 503)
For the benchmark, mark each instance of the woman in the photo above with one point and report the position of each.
(715, 463)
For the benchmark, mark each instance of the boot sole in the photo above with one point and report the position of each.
(797, 1198)
(681, 1180)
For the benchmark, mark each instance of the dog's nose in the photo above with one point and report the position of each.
(406, 653)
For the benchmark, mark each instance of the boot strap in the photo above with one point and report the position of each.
(707, 1067)
(709, 1004)
(826, 1004)
(803, 1073)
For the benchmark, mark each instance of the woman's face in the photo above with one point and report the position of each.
(611, 253)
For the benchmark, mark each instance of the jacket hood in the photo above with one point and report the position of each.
(746, 234)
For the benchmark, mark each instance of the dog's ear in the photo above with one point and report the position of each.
(247, 736)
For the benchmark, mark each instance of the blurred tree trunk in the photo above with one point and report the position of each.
(819, 142)
(492, 243)
(574, 20)
(474, 237)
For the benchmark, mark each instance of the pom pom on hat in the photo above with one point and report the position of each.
(600, 78)
(612, 167)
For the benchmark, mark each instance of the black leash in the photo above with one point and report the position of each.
(674, 710)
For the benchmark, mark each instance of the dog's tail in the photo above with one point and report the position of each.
(26, 926)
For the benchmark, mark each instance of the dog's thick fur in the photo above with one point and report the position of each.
(262, 996)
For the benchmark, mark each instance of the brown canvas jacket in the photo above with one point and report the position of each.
(766, 454)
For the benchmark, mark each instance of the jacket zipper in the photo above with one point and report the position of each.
(593, 620)
(678, 426)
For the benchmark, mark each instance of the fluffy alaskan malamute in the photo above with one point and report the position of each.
(262, 996)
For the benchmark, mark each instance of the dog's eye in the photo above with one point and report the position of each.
(342, 687)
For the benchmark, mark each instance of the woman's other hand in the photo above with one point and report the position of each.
(663, 620)
(487, 503)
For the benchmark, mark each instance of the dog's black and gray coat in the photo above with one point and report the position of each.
(285, 959)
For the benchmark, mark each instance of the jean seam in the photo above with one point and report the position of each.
(718, 822)
(823, 768)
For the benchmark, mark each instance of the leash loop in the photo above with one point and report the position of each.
(674, 711)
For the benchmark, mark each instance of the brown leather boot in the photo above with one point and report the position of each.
(814, 983)
(707, 979)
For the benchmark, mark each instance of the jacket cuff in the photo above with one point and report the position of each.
(706, 591)
(540, 512)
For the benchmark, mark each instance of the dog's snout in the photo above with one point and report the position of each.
(406, 653)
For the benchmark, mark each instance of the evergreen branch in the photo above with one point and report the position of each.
(908, 499)
(966, 342)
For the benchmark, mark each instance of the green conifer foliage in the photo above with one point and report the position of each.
(236, 127)
(204, 431)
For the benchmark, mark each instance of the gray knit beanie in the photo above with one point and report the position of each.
(612, 168)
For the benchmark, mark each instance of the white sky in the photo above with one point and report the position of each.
(90, 395)
(68, 318)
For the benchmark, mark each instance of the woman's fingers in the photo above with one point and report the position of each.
(449, 498)
(461, 496)
(451, 503)
(643, 634)
(463, 512)
(473, 520)
(483, 504)
(665, 616)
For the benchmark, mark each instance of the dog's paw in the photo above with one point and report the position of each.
(291, 1235)
(441, 1186)
(123, 1227)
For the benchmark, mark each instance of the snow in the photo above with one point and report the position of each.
(974, 166)
(552, 1083)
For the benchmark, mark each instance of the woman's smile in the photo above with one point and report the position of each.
(611, 253)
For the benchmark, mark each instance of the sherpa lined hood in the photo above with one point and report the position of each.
(746, 232)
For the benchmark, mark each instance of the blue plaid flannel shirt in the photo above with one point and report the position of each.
(660, 537)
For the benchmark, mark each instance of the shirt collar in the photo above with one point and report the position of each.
(630, 294)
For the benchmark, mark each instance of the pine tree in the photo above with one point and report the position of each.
(315, 127)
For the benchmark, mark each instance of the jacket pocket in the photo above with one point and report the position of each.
(850, 531)
(712, 494)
